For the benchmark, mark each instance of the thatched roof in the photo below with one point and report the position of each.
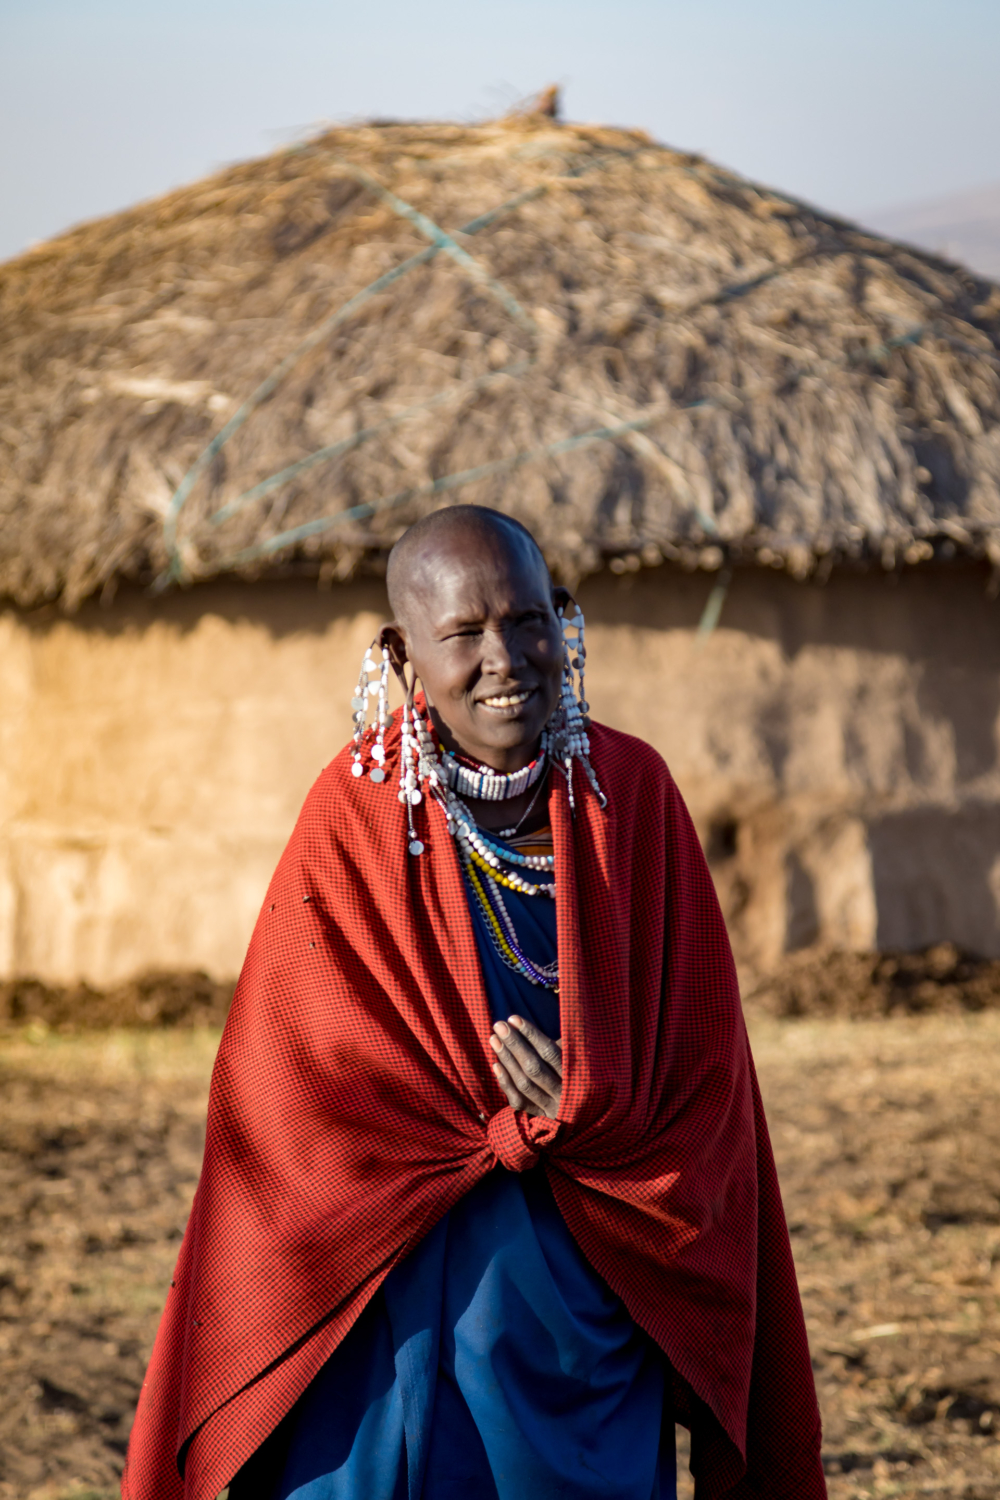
(640, 355)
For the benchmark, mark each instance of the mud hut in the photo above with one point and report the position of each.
(762, 443)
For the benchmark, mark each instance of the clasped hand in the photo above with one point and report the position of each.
(528, 1066)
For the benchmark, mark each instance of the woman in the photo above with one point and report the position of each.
(487, 1200)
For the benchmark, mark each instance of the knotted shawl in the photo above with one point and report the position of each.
(353, 1102)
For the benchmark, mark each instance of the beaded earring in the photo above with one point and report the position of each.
(568, 740)
(373, 682)
(377, 773)
(409, 765)
(576, 658)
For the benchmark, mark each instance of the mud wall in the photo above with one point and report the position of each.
(837, 745)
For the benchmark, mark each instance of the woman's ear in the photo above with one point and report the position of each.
(393, 639)
(561, 598)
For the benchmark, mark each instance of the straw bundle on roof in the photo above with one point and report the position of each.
(638, 354)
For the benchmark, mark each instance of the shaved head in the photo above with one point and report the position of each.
(447, 531)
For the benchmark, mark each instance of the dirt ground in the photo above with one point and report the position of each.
(887, 1134)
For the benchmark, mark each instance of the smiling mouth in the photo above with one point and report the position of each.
(507, 700)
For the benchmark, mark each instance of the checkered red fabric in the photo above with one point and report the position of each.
(353, 1103)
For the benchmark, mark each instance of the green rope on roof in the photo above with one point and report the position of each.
(454, 481)
(440, 241)
(450, 246)
(334, 450)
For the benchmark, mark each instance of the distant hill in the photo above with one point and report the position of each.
(964, 226)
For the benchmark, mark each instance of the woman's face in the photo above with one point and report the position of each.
(481, 632)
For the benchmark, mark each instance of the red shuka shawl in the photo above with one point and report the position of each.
(353, 1102)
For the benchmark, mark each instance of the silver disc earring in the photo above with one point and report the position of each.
(359, 713)
(377, 773)
(371, 683)
(409, 766)
(570, 741)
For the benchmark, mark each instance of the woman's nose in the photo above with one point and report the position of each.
(500, 655)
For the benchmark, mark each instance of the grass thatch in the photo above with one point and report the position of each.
(844, 390)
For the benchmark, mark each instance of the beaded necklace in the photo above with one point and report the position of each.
(483, 862)
(503, 935)
(490, 858)
(486, 784)
(487, 864)
(487, 847)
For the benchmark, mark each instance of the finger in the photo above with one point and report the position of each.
(514, 1098)
(530, 1059)
(517, 1054)
(531, 1065)
(533, 1078)
(527, 1085)
(549, 1051)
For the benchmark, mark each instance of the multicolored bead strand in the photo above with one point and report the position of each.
(501, 930)
(486, 847)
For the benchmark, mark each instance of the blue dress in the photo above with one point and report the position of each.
(494, 1363)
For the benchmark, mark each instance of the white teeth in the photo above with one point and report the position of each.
(507, 702)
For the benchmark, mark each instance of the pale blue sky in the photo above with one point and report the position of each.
(857, 105)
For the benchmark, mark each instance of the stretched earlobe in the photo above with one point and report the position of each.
(392, 639)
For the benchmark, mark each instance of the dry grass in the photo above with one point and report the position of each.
(888, 1143)
(850, 387)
